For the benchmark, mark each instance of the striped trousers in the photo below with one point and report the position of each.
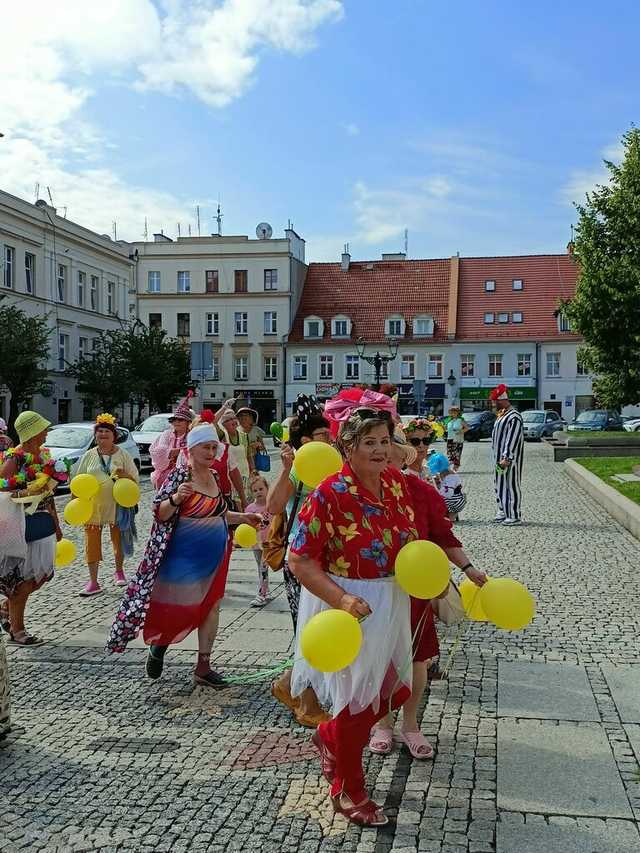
(508, 491)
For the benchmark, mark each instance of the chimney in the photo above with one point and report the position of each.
(346, 259)
(454, 278)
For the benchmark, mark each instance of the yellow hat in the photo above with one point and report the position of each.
(29, 424)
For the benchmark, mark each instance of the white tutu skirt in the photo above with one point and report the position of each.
(41, 556)
(386, 649)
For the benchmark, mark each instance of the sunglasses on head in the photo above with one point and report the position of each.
(372, 414)
(416, 442)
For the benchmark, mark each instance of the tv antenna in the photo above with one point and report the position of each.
(218, 218)
(406, 241)
(145, 233)
(198, 217)
(50, 197)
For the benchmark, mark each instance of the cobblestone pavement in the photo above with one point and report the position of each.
(537, 732)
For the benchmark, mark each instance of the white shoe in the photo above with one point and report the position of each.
(498, 519)
(511, 521)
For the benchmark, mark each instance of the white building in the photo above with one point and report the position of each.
(52, 267)
(231, 299)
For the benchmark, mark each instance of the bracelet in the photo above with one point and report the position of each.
(172, 502)
(468, 566)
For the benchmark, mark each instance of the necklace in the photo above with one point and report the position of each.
(29, 466)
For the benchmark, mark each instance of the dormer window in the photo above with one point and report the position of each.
(340, 327)
(394, 327)
(313, 327)
(564, 324)
(423, 327)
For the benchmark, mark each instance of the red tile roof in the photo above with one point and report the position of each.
(546, 280)
(370, 291)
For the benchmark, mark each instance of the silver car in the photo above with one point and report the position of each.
(539, 424)
(71, 441)
(146, 433)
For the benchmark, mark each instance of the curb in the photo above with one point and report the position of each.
(624, 510)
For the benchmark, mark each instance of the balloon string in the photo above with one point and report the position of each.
(458, 636)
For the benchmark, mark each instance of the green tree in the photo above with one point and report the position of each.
(103, 377)
(24, 351)
(606, 307)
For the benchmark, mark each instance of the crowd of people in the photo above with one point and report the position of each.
(335, 546)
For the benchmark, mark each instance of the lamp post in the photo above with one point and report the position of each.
(451, 382)
(379, 358)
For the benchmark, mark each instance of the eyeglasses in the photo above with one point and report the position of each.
(372, 414)
(416, 442)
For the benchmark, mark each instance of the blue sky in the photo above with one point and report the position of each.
(473, 125)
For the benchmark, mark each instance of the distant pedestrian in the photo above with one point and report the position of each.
(5, 441)
(166, 448)
(248, 420)
(448, 483)
(456, 428)
(238, 442)
(507, 442)
(259, 490)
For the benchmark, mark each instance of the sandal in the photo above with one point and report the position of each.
(23, 638)
(327, 758)
(417, 745)
(366, 813)
(381, 741)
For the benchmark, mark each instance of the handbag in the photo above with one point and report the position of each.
(40, 525)
(449, 608)
(263, 461)
(274, 547)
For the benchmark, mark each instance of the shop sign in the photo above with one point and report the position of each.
(327, 389)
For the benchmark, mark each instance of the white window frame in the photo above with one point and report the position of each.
(407, 366)
(81, 287)
(61, 283)
(395, 327)
(490, 285)
(242, 362)
(183, 281)
(270, 368)
(334, 323)
(524, 362)
(581, 370)
(489, 322)
(9, 276)
(550, 360)
(325, 366)
(517, 317)
(517, 284)
(271, 322)
(154, 281)
(271, 279)
(564, 325)
(94, 281)
(307, 333)
(351, 362)
(30, 273)
(435, 359)
(430, 323)
(503, 317)
(213, 323)
(495, 360)
(63, 350)
(110, 297)
(467, 360)
(83, 348)
(300, 368)
(241, 322)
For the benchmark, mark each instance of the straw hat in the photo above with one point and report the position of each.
(30, 424)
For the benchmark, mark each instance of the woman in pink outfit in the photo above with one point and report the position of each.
(166, 448)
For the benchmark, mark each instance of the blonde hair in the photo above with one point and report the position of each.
(356, 428)
(258, 478)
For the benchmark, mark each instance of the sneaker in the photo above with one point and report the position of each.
(119, 578)
(259, 601)
(498, 519)
(90, 589)
(511, 522)
(155, 662)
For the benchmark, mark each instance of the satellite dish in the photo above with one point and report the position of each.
(264, 231)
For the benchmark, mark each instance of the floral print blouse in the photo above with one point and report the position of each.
(350, 531)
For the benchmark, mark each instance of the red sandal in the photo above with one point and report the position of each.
(366, 813)
(327, 759)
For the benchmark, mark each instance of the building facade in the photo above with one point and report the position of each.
(77, 279)
(231, 300)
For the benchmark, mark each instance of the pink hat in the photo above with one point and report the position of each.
(183, 411)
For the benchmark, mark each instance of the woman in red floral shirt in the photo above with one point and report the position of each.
(351, 529)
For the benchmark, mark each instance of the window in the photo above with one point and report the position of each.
(184, 324)
(110, 294)
(241, 323)
(408, 367)
(153, 281)
(313, 328)
(503, 317)
(215, 368)
(240, 278)
(9, 266)
(93, 293)
(581, 369)
(63, 351)
(553, 364)
(490, 285)
(516, 317)
(184, 281)
(271, 279)
(563, 323)
(300, 367)
(270, 368)
(395, 328)
(524, 364)
(517, 284)
(62, 283)
(489, 318)
(213, 324)
(211, 281)
(352, 367)
(83, 348)
(82, 283)
(467, 364)
(384, 370)
(326, 367)
(241, 367)
(270, 322)
(340, 328)
(30, 272)
(495, 365)
(422, 327)
(435, 367)
(155, 321)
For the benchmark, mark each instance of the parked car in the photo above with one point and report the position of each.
(596, 420)
(480, 425)
(631, 424)
(146, 433)
(71, 441)
(540, 424)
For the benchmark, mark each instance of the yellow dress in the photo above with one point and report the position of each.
(104, 506)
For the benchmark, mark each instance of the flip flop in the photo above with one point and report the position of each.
(381, 741)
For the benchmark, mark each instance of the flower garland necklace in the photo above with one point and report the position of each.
(30, 466)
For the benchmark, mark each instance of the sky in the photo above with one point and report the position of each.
(475, 126)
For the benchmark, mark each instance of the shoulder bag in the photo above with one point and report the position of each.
(274, 547)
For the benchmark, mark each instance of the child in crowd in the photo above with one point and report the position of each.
(448, 483)
(259, 488)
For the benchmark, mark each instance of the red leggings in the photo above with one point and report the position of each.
(347, 735)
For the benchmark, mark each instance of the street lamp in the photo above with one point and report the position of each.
(379, 358)
(451, 382)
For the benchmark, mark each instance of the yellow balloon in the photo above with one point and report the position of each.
(331, 640)
(422, 569)
(84, 486)
(65, 552)
(245, 536)
(470, 595)
(315, 461)
(78, 511)
(507, 603)
(126, 492)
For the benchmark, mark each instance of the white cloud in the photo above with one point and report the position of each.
(583, 181)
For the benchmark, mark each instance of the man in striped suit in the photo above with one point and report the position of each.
(507, 442)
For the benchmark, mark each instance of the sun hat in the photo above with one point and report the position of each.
(249, 411)
(410, 453)
(203, 434)
(30, 424)
(228, 416)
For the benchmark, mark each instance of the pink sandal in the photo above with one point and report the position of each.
(417, 745)
(381, 741)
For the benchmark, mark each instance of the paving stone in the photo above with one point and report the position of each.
(545, 691)
(543, 767)
(633, 733)
(624, 683)
(621, 837)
